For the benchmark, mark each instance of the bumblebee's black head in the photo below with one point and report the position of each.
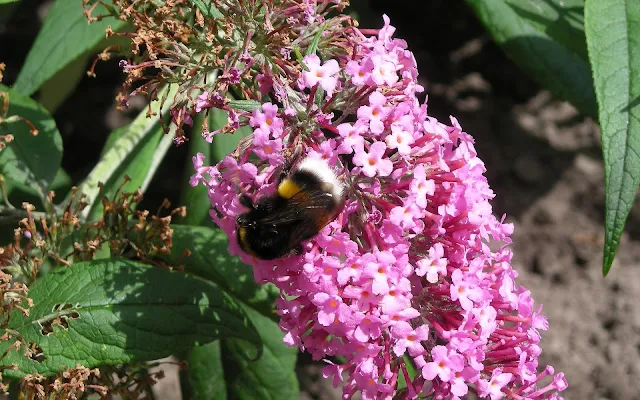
(265, 241)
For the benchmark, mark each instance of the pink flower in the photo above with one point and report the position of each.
(421, 187)
(198, 177)
(459, 381)
(434, 266)
(375, 112)
(405, 216)
(203, 102)
(362, 294)
(464, 290)
(330, 308)
(267, 120)
(351, 137)
(408, 338)
(399, 140)
(353, 267)
(180, 115)
(405, 270)
(368, 327)
(325, 75)
(270, 149)
(445, 363)
(373, 163)
(378, 272)
(334, 370)
(326, 151)
(493, 387)
(396, 303)
(265, 83)
(486, 320)
(360, 72)
(559, 382)
(384, 71)
(371, 388)
(338, 243)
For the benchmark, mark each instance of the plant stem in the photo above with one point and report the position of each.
(11, 214)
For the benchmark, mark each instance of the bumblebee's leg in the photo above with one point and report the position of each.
(295, 251)
(246, 201)
(290, 161)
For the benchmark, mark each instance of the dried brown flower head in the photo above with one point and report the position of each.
(218, 50)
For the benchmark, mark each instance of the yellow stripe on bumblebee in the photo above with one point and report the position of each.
(288, 188)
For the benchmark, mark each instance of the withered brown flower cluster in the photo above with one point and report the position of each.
(58, 237)
(72, 383)
(6, 136)
(130, 233)
(126, 381)
(215, 53)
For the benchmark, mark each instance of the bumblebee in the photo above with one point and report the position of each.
(309, 197)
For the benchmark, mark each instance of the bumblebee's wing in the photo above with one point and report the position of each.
(302, 216)
(305, 206)
(309, 227)
(315, 213)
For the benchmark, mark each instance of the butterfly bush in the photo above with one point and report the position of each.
(410, 290)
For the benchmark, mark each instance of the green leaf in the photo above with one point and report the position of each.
(411, 370)
(224, 144)
(196, 198)
(64, 37)
(205, 374)
(299, 58)
(272, 376)
(613, 29)
(30, 160)
(210, 260)
(245, 105)
(166, 143)
(61, 185)
(136, 164)
(208, 9)
(545, 40)
(8, 1)
(313, 47)
(117, 311)
(124, 153)
(63, 83)
(561, 20)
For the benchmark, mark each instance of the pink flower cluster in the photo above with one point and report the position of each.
(403, 285)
